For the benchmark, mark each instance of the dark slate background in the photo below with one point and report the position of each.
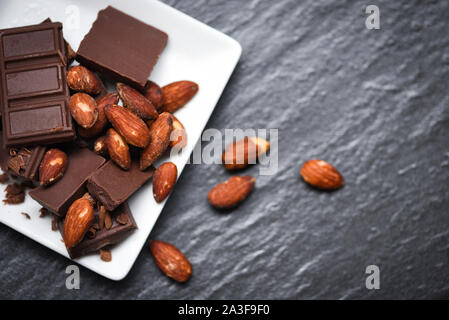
(371, 102)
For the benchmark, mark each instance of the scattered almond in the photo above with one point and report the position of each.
(83, 109)
(52, 167)
(322, 175)
(128, 125)
(100, 146)
(154, 93)
(243, 152)
(230, 193)
(178, 136)
(78, 220)
(118, 149)
(177, 94)
(171, 260)
(80, 78)
(136, 102)
(164, 180)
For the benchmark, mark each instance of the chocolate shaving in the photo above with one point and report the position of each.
(108, 221)
(91, 233)
(54, 223)
(105, 255)
(44, 212)
(4, 178)
(14, 199)
(15, 164)
(25, 152)
(12, 152)
(122, 218)
(26, 215)
(14, 189)
(102, 217)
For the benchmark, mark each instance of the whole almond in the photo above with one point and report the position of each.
(78, 220)
(136, 102)
(80, 78)
(118, 149)
(128, 125)
(177, 94)
(102, 121)
(243, 152)
(52, 167)
(230, 193)
(100, 146)
(171, 260)
(160, 131)
(154, 93)
(322, 175)
(164, 180)
(83, 109)
(178, 136)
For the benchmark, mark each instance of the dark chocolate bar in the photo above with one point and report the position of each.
(112, 186)
(34, 91)
(122, 47)
(104, 237)
(59, 196)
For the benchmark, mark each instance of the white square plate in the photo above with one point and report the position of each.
(194, 52)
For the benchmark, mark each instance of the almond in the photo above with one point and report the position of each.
(178, 136)
(243, 152)
(171, 260)
(102, 121)
(160, 131)
(80, 78)
(100, 146)
(322, 175)
(128, 125)
(118, 149)
(83, 109)
(177, 94)
(164, 180)
(78, 220)
(154, 93)
(230, 193)
(136, 102)
(52, 167)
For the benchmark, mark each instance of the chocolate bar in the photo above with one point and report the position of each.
(123, 225)
(34, 91)
(59, 196)
(122, 47)
(112, 186)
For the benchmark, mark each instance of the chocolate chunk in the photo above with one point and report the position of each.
(58, 197)
(104, 237)
(112, 186)
(15, 194)
(122, 47)
(35, 94)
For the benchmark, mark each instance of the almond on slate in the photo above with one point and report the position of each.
(154, 93)
(177, 94)
(160, 132)
(230, 193)
(164, 180)
(322, 175)
(78, 220)
(80, 78)
(243, 152)
(136, 102)
(128, 125)
(118, 149)
(52, 166)
(171, 260)
(178, 136)
(83, 109)
(102, 121)
(100, 146)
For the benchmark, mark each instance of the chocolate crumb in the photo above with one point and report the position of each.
(4, 178)
(54, 224)
(26, 215)
(108, 221)
(122, 218)
(44, 212)
(105, 255)
(14, 189)
(14, 194)
(102, 217)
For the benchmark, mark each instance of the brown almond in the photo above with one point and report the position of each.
(78, 220)
(128, 125)
(230, 193)
(100, 146)
(136, 102)
(81, 79)
(164, 180)
(118, 149)
(177, 94)
(243, 152)
(171, 260)
(83, 109)
(102, 121)
(52, 167)
(178, 136)
(322, 175)
(160, 132)
(154, 93)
